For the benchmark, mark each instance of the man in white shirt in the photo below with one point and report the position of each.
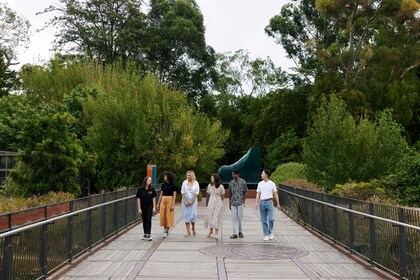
(266, 190)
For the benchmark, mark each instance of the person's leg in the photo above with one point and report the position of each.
(270, 216)
(234, 213)
(143, 221)
(216, 233)
(193, 228)
(149, 221)
(240, 217)
(187, 226)
(263, 215)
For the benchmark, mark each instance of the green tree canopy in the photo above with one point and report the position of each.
(339, 149)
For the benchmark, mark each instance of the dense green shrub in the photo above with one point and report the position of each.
(290, 170)
(339, 148)
(404, 183)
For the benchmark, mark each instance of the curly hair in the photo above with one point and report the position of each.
(170, 176)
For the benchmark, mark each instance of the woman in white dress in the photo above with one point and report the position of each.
(213, 219)
(189, 191)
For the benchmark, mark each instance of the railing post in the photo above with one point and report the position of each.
(103, 217)
(89, 224)
(351, 227)
(43, 252)
(402, 245)
(115, 213)
(323, 215)
(313, 211)
(126, 209)
(6, 268)
(372, 234)
(335, 220)
(69, 235)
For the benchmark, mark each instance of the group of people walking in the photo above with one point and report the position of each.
(146, 203)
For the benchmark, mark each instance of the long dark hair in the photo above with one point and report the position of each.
(145, 182)
(216, 180)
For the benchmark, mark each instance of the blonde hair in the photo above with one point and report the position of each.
(192, 175)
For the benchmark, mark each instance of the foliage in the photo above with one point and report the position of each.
(360, 190)
(7, 76)
(287, 171)
(286, 148)
(303, 184)
(404, 183)
(14, 33)
(136, 121)
(303, 32)
(52, 82)
(177, 51)
(168, 41)
(240, 75)
(281, 115)
(101, 29)
(338, 149)
(19, 203)
(51, 154)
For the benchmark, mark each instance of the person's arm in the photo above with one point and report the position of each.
(173, 200)
(160, 199)
(276, 197)
(154, 204)
(230, 195)
(139, 205)
(223, 192)
(245, 189)
(257, 200)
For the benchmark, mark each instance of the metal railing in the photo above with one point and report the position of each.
(386, 236)
(36, 250)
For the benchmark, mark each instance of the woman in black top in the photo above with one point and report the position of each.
(166, 202)
(146, 204)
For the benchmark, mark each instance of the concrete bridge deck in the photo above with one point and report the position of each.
(295, 253)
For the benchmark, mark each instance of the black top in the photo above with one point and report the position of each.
(146, 197)
(168, 189)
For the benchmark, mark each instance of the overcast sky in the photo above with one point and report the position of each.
(230, 25)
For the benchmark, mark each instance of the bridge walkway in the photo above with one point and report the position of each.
(295, 253)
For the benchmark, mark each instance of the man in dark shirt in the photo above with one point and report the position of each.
(237, 189)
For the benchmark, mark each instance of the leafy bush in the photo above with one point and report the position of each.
(290, 170)
(19, 203)
(303, 184)
(339, 149)
(360, 190)
(286, 148)
(404, 183)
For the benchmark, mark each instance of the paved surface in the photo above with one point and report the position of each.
(293, 254)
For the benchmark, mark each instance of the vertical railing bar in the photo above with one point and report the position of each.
(69, 233)
(351, 227)
(402, 245)
(43, 253)
(89, 224)
(372, 234)
(126, 209)
(115, 213)
(335, 220)
(322, 215)
(103, 217)
(6, 271)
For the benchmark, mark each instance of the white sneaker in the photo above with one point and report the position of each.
(149, 237)
(145, 237)
(165, 234)
(266, 238)
(271, 237)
